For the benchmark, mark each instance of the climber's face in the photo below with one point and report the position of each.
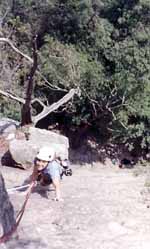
(41, 164)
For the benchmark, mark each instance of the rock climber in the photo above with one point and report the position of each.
(47, 170)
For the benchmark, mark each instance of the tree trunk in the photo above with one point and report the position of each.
(7, 219)
(26, 117)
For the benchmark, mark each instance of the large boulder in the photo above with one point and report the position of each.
(24, 151)
(47, 136)
(7, 126)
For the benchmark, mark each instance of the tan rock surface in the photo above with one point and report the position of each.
(103, 209)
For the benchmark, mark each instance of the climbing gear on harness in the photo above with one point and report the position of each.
(65, 165)
(67, 172)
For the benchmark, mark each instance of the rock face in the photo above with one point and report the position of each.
(24, 151)
(102, 209)
(7, 219)
(8, 126)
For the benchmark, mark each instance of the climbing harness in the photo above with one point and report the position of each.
(6, 237)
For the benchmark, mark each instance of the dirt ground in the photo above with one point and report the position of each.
(103, 208)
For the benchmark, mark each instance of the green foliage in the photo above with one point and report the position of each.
(60, 63)
(6, 111)
(101, 46)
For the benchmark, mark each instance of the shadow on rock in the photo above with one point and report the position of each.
(26, 243)
(7, 160)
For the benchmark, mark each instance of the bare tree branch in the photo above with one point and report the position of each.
(3, 17)
(6, 40)
(48, 109)
(115, 118)
(49, 84)
(11, 96)
(39, 101)
(2, 39)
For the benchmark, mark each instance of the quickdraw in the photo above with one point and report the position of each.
(6, 237)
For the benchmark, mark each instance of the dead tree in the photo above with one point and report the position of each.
(26, 109)
(28, 102)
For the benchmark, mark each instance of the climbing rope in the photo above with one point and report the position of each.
(11, 190)
(6, 237)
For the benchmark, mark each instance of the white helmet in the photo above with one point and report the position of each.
(46, 154)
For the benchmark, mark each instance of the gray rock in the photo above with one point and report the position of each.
(23, 152)
(47, 136)
(7, 219)
(8, 125)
